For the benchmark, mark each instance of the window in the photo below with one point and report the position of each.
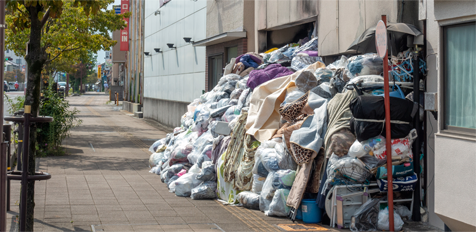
(18, 61)
(215, 72)
(231, 52)
(460, 77)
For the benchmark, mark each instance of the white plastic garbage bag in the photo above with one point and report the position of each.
(383, 220)
(248, 200)
(278, 205)
(206, 190)
(185, 184)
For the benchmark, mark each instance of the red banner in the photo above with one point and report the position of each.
(125, 32)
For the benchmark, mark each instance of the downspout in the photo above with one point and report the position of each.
(337, 25)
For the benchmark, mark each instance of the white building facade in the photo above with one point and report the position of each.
(175, 74)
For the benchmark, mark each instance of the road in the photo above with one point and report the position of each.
(11, 95)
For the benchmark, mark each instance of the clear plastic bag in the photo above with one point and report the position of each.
(157, 144)
(155, 158)
(403, 211)
(264, 203)
(306, 81)
(194, 169)
(348, 167)
(219, 112)
(357, 150)
(370, 161)
(236, 94)
(292, 94)
(200, 144)
(185, 184)
(365, 218)
(181, 153)
(270, 159)
(223, 102)
(323, 75)
(248, 200)
(155, 170)
(325, 90)
(242, 99)
(278, 55)
(283, 179)
(383, 220)
(203, 158)
(206, 190)
(176, 168)
(208, 172)
(302, 62)
(258, 182)
(268, 191)
(172, 179)
(278, 205)
(231, 113)
(400, 147)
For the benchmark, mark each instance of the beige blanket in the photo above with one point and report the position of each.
(263, 117)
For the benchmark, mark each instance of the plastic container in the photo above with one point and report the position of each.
(299, 213)
(310, 212)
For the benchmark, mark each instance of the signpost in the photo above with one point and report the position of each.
(99, 71)
(125, 32)
(381, 45)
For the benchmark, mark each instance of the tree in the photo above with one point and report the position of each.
(26, 22)
(10, 76)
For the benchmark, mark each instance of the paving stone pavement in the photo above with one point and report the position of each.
(103, 183)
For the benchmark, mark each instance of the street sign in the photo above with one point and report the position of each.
(99, 71)
(381, 39)
(124, 43)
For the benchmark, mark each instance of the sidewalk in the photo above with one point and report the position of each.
(103, 184)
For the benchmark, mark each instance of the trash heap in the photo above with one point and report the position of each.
(281, 127)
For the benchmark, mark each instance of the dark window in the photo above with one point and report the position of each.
(215, 70)
(460, 77)
(231, 52)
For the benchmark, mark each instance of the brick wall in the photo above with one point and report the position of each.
(220, 49)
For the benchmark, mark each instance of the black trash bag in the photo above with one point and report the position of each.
(365, 108)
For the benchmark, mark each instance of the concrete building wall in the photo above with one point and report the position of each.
(272, 16)
(224, 16)
(173, 78)
(340, 22)
(451, 194)
(275, 14)
(117, 54)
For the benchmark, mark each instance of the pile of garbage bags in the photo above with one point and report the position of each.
(329, 131)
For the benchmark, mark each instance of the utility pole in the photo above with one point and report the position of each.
(81, 79)
(3, 154)
(67, 84)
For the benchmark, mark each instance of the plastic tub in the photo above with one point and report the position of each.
(310, 212)
(299, 213)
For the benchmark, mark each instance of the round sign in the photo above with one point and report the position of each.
(381, 39)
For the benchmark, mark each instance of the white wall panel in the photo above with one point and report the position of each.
(176, 74)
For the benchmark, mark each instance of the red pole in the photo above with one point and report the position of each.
(388, 136)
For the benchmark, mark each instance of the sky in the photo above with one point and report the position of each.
(102, 54)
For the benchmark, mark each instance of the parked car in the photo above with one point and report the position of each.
(11, 86)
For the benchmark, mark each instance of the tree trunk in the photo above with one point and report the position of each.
(36, 59)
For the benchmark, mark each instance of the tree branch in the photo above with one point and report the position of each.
(61, 52)
(45, 17)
